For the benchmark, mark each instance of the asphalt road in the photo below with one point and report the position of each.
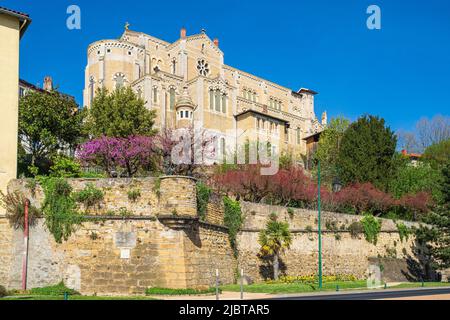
(428, 293)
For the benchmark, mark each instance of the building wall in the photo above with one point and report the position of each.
(9, 66)
(135, 56)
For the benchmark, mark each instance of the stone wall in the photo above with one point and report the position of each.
(162, 243)
(342, 253)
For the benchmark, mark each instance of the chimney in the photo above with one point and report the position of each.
(183, 33)
(216, 42)
(404, 152)
(48, 83)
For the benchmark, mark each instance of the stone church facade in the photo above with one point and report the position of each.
(188, 83)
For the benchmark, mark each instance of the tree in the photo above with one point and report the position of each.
(119, 156)
(366, 152)
(274, 239)
(185, 149)
(329, 146)
(438, 154)
(411, 179)
(432, 131)
(427, 132)
(48, 122)
(438, 238)
(119, 114)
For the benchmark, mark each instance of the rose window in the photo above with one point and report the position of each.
(203, 67)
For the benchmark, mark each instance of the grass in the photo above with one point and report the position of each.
(48, 297)
(178, 292)
(277, 288)
(287, 288)
(419, 284)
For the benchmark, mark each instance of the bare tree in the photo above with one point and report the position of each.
(427, 132)
(432, 131)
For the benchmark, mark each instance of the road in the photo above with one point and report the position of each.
(398, 294)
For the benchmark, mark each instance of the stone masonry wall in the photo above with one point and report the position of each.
(163, 243)
(342, 253)
(122, 255)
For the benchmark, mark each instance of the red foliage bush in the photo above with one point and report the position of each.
(287, 187)
(291, 186)
(360, 198)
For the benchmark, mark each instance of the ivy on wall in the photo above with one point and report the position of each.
(371, 227)
(203, 194)
(403, 231)
(59, 208)
(233, 220)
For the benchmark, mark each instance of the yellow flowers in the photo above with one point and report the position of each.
(312, 279)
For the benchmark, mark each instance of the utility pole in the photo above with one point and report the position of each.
(25, 248)
(320, 225)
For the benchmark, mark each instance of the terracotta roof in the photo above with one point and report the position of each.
(23, 18)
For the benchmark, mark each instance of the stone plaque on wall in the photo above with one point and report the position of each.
(125, 239)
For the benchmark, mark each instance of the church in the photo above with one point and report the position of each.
(188, 84)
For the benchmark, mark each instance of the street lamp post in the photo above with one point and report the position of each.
(320, 225)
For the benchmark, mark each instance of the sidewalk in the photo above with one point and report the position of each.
(226, 295)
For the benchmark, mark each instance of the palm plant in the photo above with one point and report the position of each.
(274, 239)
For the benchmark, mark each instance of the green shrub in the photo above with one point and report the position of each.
(3, 292)
(124, 212)
(166, 291)
(203, 194)
(59, 208)
(372, 227)
(157, 187)
(65, 167)
(55, 290)
(290, 212)
(89, 196)
(134, 194)
(403, 231)
(233, 220)
(14, 204)
(355, 229)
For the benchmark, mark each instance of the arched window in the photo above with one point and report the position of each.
(298, 136)
(172, 98)
(91, 89)
(119, 78)
(211, 99)
(224, 103)
(155, 95)
(217, 102)
(174, 66)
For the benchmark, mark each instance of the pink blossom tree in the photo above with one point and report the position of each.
(123, 156)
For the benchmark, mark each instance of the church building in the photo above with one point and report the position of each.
(188, 84)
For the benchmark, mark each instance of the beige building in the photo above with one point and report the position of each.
(232, 104)
(12, 26)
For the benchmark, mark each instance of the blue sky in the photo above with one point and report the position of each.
(401, 72)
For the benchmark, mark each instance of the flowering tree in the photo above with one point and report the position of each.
(183, 150)
(124, 156)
